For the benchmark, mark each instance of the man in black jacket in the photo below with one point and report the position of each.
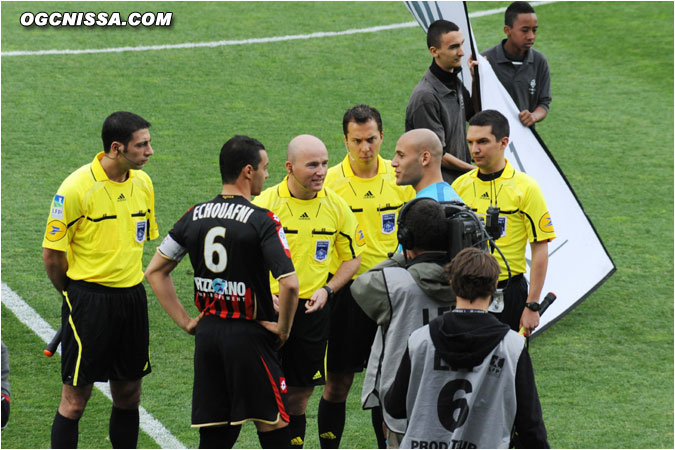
(466, 380)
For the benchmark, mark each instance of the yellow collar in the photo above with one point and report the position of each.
(286, 193)
(99, 172)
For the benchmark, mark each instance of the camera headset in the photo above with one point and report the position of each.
(404, 233)
(465, 229)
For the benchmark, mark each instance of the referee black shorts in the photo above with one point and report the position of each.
(238, 377)
(351, 334)
(105, 333)
(515, 297)
(303, 356)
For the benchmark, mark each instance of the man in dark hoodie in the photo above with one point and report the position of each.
(466, 379)
(401, 295)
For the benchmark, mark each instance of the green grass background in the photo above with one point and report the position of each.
(604, 372)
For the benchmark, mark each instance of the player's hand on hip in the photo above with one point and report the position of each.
(282, 338)
(191, 326)
(529, 320)
(317, 301)
(275, 303)
(274, 328)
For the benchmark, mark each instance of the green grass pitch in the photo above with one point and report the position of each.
(604, 372)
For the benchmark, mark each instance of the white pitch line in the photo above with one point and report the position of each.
(320, 34)
(29, 317)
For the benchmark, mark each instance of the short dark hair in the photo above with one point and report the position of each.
(438, 29)
(493, 118)
(515, 8)
(237, 153)
(425, 221)
(120, 126)
(361, 114)
(473, 274)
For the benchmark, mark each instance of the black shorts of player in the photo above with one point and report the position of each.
(351, 334)
(515, 297)
(303, 356)
(105, 334)
(238, 377)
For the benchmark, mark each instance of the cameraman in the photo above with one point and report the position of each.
(401, 296)
(466, 380)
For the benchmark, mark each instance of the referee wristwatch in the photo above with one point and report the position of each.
(327, 288)
(534, 306)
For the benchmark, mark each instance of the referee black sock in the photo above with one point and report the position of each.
(278, 438)
(64, 432)
(218, 437)
(296, 430)
(123, 427)
(331, 421)
(378, 421)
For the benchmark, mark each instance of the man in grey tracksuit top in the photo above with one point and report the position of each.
(402, 297)
(466, 380)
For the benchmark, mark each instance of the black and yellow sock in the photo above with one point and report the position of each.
(331, 421)
(296, 430)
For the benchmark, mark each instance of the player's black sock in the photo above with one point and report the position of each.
(218, 437)
(123, 427)
(278, 438)
(296, 430)
(331, 421)
(378, 420)
(64, 432)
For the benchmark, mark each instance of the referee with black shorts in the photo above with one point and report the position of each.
(100, 217)
(233, 247)
(320, 228)
(367, 182)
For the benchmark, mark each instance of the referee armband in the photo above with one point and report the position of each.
(171, 249)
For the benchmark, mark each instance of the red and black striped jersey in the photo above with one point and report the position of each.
(233, 246)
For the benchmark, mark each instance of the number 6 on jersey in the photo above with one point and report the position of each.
(215, 255)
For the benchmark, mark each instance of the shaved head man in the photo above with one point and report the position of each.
(307, 164)
(417, 162)
(320, 228)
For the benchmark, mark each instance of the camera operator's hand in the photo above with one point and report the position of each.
(529, 321)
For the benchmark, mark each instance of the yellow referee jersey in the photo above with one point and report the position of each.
(313, 228)
(102, 225)
(523, 215)
(376, 202)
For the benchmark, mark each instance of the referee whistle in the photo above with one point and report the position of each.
(548, 300)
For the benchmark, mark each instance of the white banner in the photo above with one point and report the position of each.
(578, 261)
